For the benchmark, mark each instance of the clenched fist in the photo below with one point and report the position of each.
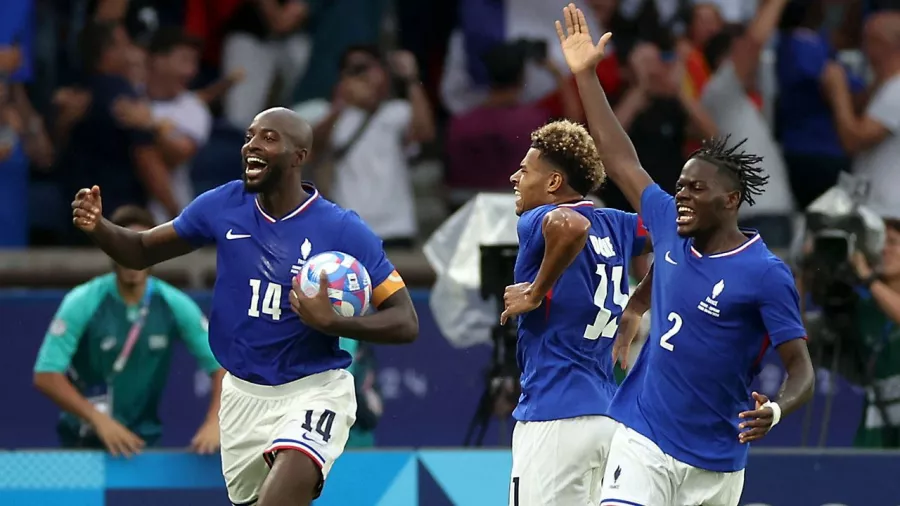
(87, 209)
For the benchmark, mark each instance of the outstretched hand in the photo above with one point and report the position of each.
(316, 311)
(577, 45)
(87, 209)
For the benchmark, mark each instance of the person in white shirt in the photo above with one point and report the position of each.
(725, 96)
(172, 61)
(178, 119)
(362, 137)
(873, 136)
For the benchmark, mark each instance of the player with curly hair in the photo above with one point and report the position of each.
(571, 287)
(685, 411)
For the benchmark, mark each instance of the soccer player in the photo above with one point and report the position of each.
(720, 299)
(571, 286)
(287, 401)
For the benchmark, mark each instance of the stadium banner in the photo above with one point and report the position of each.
(407, 478)
(430, 388)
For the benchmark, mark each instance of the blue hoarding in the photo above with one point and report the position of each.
(430, 387)
(411, 478)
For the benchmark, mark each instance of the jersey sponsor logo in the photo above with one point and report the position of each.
(58, 327)
(669, 258)
(305, 250)
(603, 246)
(230, 235)
(710, 305)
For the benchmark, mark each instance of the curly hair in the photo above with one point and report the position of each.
(569, 146)
(740, 167)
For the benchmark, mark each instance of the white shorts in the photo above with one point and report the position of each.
(559, 462)
(312, 415)
(638, 473)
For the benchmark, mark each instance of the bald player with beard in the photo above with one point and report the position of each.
(287, 400)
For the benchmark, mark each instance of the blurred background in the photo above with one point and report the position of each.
(422, 111)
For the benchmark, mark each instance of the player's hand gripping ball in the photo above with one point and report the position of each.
(349, 285)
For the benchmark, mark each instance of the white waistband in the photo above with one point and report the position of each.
(317, 380)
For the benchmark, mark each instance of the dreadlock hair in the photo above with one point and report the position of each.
(741, 167)
(570, 147)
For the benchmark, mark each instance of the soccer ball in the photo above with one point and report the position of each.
(349, 286)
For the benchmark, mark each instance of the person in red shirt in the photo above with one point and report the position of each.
(485, 145)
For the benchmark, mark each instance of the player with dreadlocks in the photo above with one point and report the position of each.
(720, 299)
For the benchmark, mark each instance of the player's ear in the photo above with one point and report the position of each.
(732, 199)
(300, 155)
(555, 182)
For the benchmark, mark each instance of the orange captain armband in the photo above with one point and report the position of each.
(388, 287)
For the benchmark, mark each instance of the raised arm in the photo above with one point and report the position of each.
(131, 249)
(748, 47)
(616, 150)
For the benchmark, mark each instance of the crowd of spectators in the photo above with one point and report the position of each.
(149, 99)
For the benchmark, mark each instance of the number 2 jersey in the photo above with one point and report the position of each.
(713, 318)
(252, 331)
(565, 346)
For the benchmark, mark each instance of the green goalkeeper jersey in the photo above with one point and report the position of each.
(88, 333)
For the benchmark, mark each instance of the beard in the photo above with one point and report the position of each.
(266, 182)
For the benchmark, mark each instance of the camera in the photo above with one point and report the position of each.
(497, 272)
(502, 387)
(838, 227)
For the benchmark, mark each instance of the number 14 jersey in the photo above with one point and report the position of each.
(253, 332)
(565, 346)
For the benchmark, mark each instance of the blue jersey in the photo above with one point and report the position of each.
(252, 331)
(565, 345)
(713, 318)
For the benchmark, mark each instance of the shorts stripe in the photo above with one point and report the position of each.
(618, 502)
(293, 444)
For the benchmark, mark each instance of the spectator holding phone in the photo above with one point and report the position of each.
(734, 61)
(362, 136)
